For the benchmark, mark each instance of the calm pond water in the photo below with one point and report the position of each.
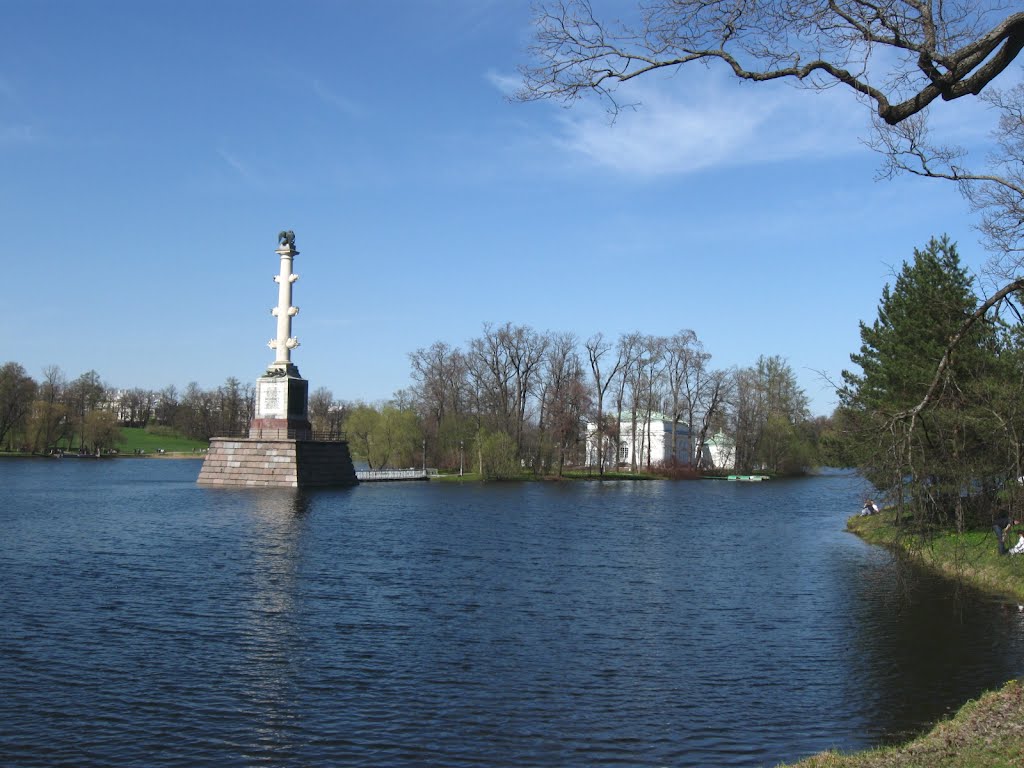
(146, 621)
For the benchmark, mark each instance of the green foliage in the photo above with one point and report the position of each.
(770, 412)
(453, 443)
(398, 438)
(389, 437)
(928, 457)
(785, 447)
(17, 392)
(499, 456)
(359, 427)
(48, 427)
(916, 319)
(100, 430)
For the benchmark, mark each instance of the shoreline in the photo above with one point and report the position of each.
(105, 457)
(987, 732)
(970, 557)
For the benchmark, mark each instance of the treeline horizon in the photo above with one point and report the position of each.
(510, 397)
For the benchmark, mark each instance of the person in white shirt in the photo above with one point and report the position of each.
(1018, 548)
(870, 508)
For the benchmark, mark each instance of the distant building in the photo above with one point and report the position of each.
(652, 443)
(718, 452)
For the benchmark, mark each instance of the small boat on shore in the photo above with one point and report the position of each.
(747, 478)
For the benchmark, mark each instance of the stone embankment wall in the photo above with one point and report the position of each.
(239, 462)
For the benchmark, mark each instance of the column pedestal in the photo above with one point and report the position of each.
(252, 463)
(280, 450)
(282, 406)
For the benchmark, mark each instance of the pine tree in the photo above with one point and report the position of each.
(932, 458)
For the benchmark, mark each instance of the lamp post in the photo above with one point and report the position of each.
(460, 458)
(424, 457)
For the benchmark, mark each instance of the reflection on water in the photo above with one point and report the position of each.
(913, 626)
(426, 624)
(275, 541)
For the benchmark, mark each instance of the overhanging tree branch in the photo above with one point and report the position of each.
(948, 54)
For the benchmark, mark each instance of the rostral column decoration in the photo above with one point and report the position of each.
(282, 395)
(281, 450)
(284, 311)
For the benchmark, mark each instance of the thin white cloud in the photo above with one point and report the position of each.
(329, 96)
(684, 126)
(507, 84)
(242, 169)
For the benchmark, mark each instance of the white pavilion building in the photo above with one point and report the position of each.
(652, 444)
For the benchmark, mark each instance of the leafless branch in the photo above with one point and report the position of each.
(943, 50)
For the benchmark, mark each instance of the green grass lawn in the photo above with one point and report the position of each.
(972, 556)
(136, 438)
(455, 477)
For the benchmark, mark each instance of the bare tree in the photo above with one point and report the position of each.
(166, 406)
(564, 400)
(715, 393)
(232, 411)
(50, 424)
(197, 413)
(526, 350)
(503, 365)
(83, 395)
(326, 414)
(441, 388)
(492, 373)
(644, 376)
(597, 349)
(900, 55)
(136, 406)
(686, 375)
(630, 348)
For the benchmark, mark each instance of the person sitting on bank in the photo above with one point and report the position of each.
(1018, 548)
(870, 508)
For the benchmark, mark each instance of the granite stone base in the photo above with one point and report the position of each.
(260, 463)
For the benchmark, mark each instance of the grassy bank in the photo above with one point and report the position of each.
(987, 733)
(971, 557)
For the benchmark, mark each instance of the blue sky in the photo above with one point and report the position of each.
(151, 151)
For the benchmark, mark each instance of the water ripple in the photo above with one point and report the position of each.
(149, 622)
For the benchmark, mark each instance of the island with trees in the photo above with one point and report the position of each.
(511, 400)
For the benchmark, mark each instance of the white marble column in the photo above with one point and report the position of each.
(284, 311)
